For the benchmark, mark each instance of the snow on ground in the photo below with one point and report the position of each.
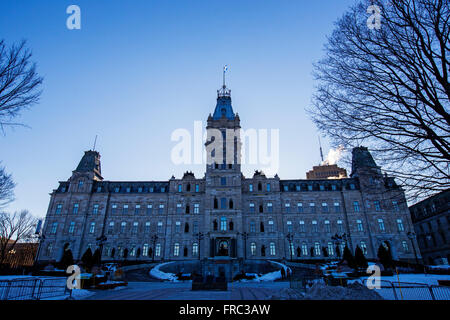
(442, 267)
(76, 294)
(158, 274)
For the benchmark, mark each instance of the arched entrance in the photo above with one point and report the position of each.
(223, 249)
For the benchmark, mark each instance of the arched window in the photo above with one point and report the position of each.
(261, 226)
(188, 208)
(259, 186)
(188, 187)
(186, 227)
(260, 208)
(231, 225)
(216, 203)
(231, 203)
(253, 248)
(215, 225)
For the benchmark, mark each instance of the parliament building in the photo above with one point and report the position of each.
(224, 213)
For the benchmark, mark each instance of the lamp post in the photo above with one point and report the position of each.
(200, 236)
(154, 238)
(245, 237)
(290, 237)
(411, 235)
(101, 240)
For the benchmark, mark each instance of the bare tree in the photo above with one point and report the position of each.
(16, 227)
(6, 188)
(388, 88)
(19, 82)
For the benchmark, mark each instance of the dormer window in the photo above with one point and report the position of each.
(140, 189)
(80, 184)
(250, 187)
(128, 189)
(116, 189)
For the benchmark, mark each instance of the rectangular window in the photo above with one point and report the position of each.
(287, 206)
(324, 207)
(125, 209)
(252, 207)
(180, 188)
(123, 225)
(161, 208)
(337, 207)
(58, 208)
(196, 208)
(113, 208)
(400, 225)
(92, 228)
(395, 206)
(160, 227)
(330, 249)
(272, 249)
(363, 247)
(289, 226)
(269, 207)
(195, 227)
(299, 207)
(356, 206)
(116, 189)
(333, 187)
(111, 227)
(178, 227)
(327, 226)
(135, 227)
(314, 226)
(149, 209)
(405, 246)
(252, 226)
(95, 209)
(223, 181)
(223, 224)
(72, 227)
(197, 188)
(158, 250)
(302, 226)
(317, 250)
(145, 250)
(381, 224)
(304, 249)
(176, 249)
(312, 207)
(223, 203)
(321, 187)
(271, 226)
(75, 208)
(250, 187)
(340, 226)
(359, 225)
(377, 206)
(140, 189)
(179, 208)
(137, 209)
(268, 187)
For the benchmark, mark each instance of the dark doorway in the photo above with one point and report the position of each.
(223, 248)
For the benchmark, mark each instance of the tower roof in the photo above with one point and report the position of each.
(223, 106)
(90, 163)
(361, 158)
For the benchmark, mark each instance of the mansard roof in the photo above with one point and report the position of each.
(223, 108)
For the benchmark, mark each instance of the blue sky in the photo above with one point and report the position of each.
(138, 70)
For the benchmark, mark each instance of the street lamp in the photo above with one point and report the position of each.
(101, 240)
(245, 237)
(154, 238)
(412, 236)
(290, 237)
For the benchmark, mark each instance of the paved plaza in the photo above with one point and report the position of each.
(182, 291)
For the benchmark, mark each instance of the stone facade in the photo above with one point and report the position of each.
(225, 213)
(431, 219)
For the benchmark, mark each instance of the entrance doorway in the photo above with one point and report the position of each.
(223, 248)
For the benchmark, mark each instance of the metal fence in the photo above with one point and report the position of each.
(389, 290)
(33, 288)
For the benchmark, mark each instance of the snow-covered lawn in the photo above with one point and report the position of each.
(429, 279)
